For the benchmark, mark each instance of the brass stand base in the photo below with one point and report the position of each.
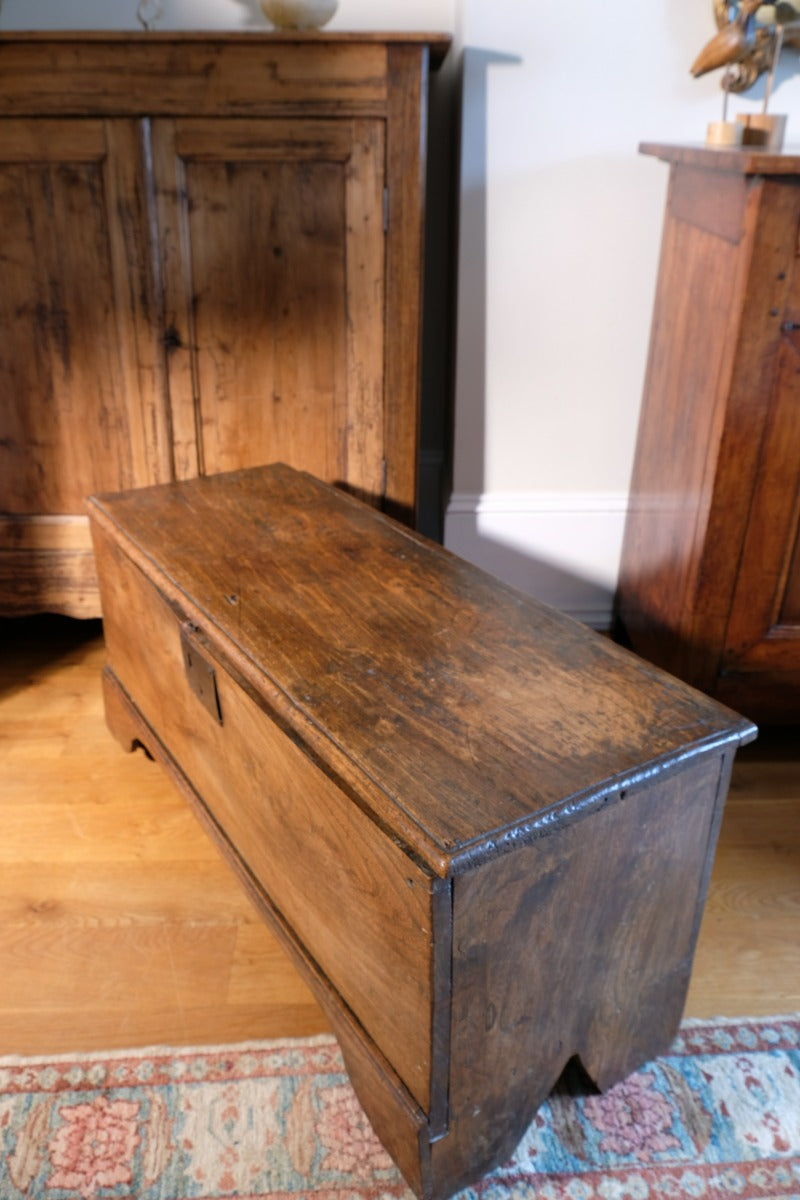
(724, 133)
(763, 129)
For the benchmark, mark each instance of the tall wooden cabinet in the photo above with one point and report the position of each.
(211, 258)
(710, 579)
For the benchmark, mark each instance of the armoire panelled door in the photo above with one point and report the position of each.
(211, 257)
(74, 365)
(273, 268)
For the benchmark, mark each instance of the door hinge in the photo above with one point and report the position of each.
(384, 476)
(386, 210)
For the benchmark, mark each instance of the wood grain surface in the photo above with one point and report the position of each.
(741, 160)
(212, 253)
(477, 711)
(710, 570)
(604, 914)
(359, 907)
(121, 924)
(170, 74)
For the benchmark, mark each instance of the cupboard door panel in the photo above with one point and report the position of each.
(764, 628)
(273, 264)
(79, 359)
(790, 612)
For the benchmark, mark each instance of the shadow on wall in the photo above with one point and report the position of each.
(439, 296)
(498, 541)
(254, 16)
(548, 579)
(468, 529)
(471, 319)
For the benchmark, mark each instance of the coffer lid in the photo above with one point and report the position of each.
(468, 716)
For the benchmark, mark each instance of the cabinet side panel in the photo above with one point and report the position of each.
(359, 905)
(721, 351)
(691, 355)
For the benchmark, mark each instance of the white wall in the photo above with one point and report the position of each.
(560, 231)
(436, 15)
(560, 222)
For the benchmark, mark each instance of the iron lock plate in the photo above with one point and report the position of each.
(200, 675)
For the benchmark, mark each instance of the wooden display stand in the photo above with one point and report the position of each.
(484, 831)
(212, 252)
(710, 575)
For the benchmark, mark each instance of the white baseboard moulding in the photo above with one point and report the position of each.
(562, 548)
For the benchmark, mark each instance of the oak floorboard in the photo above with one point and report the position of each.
(120, 925)
(748, 954)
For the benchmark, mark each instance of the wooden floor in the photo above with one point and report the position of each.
(120, 925)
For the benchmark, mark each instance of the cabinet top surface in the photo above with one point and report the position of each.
(742, 160)
(209, 74)
(478, 714)
(431, 38)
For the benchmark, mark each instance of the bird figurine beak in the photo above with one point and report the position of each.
(728, 46)
(732, 42)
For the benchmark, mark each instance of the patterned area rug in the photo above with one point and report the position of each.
(719, 1117)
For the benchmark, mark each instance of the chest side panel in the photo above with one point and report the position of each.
(356, 901)
(579, 943)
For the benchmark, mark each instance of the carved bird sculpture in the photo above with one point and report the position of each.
(734, 41)
(749, 33)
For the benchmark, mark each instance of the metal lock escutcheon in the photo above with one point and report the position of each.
(200, 675)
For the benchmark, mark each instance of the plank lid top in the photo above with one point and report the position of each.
(475, 716)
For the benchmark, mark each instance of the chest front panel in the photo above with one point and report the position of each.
(360, 906)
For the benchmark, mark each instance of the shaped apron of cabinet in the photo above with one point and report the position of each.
(483, 831)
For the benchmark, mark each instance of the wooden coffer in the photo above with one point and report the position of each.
(483, 831)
